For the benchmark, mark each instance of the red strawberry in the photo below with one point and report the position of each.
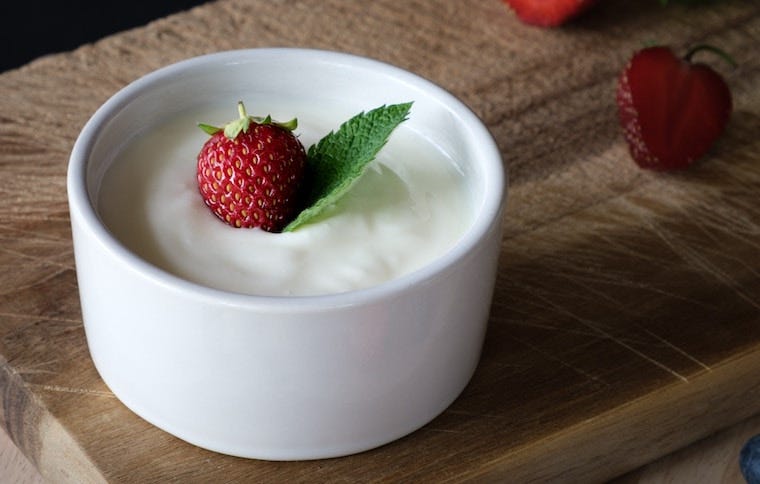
(250, 172)
(671, 110)
(548, 13)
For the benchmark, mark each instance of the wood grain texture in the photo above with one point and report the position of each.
(626, 319)
(714, 460)
(14, 467)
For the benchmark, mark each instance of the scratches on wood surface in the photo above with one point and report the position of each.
(562, 362)
(649, 266)
(676, 348)
(564, 311)
(65, 389)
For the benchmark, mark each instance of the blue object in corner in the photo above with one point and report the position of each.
(749, 460)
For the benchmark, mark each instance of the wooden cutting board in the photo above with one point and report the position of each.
(626, 319)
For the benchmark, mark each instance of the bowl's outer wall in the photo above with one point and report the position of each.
(273, 385)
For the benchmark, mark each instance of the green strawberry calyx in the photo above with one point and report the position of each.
(241, 125)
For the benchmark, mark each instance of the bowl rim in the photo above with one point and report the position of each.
(488, 213)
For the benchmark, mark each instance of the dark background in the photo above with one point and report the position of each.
(29, 28)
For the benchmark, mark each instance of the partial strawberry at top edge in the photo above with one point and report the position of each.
(548, 13)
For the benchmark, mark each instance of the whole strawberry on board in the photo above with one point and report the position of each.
(250, 172)
(548, 13)
(671, 109)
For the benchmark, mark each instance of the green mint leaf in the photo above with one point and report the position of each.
(341, 157)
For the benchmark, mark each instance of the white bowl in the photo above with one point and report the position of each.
(286, 378)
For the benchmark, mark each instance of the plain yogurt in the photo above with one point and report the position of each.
(410, 207)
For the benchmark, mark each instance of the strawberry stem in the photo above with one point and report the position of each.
(699, 47)
(241, 110)
(232, 129)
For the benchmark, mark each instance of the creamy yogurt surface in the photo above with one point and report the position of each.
(410, 207)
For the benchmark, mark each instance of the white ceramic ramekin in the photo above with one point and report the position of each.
(286, 378)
